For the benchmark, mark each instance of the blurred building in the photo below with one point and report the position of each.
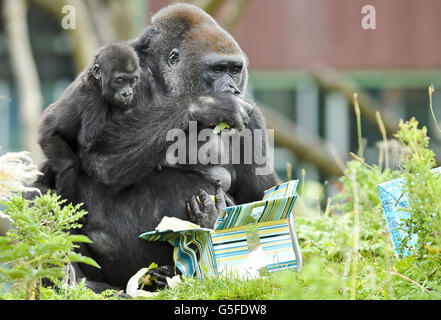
(395, 63)
(284, 40)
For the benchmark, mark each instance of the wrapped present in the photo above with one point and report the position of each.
(247, 238)
(394, 201)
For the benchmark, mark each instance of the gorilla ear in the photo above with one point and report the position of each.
(173, 57)
(96, 71)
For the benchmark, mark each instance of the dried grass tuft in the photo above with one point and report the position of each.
(17, 172)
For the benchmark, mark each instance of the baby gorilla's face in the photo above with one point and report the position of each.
(122, 85)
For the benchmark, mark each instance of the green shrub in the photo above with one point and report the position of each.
(423, 189)
(38, 246)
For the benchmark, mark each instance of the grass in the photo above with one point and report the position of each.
(221, 288)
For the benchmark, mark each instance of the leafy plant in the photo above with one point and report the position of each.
(39, 244)
(317, 280)
(423, 189)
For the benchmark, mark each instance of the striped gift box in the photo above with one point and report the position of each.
(277, 248)
(247, 238)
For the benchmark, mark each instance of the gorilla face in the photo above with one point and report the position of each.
(222, 73)
(116, 68)
(190, 54)
(120, 87)
(215, 72)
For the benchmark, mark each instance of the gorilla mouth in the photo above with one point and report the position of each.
(125, 101)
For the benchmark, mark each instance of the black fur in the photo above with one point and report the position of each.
(123, 193)
(77, 119)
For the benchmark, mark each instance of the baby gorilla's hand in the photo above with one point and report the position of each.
(205, 212)
(66, 184)
(212, 110)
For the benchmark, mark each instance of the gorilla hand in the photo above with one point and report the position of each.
(205, 212)
(211, 110)
(160, 275)
(66, 184)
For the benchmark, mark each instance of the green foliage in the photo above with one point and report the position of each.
(323, 236)
(78, 291)
(353, 245)
(331, 236)
(38, 245)
(59, 291)
(423, 189)
(316, 281)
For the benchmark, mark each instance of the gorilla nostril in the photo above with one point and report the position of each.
(232, 90)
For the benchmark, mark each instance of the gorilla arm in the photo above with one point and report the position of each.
(57, 129)
(253, 179)
(133, 144)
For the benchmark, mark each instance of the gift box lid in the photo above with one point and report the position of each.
(277, 204)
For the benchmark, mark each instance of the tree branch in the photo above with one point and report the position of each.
(307, 147)
(25, 74)
(331, 80)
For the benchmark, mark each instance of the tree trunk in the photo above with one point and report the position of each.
(25, 74)
(84, 36)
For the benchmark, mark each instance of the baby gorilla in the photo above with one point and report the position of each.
(75, 121)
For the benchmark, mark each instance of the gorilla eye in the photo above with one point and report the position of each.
(217, 69)
(134, 81)
(236, 70)
(119, 81)
(173, 57)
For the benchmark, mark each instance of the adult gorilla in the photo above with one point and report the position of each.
(202, 74)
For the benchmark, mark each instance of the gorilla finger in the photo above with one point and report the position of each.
(161, 284)
(161, 273)
(238, 123)
(208, 204)
(194, 207)
(250, 110)
(168, 270)
(228, 200)
(220, 196)
(246, 120)
(247, 107)
(191, 217)
(204, 197)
